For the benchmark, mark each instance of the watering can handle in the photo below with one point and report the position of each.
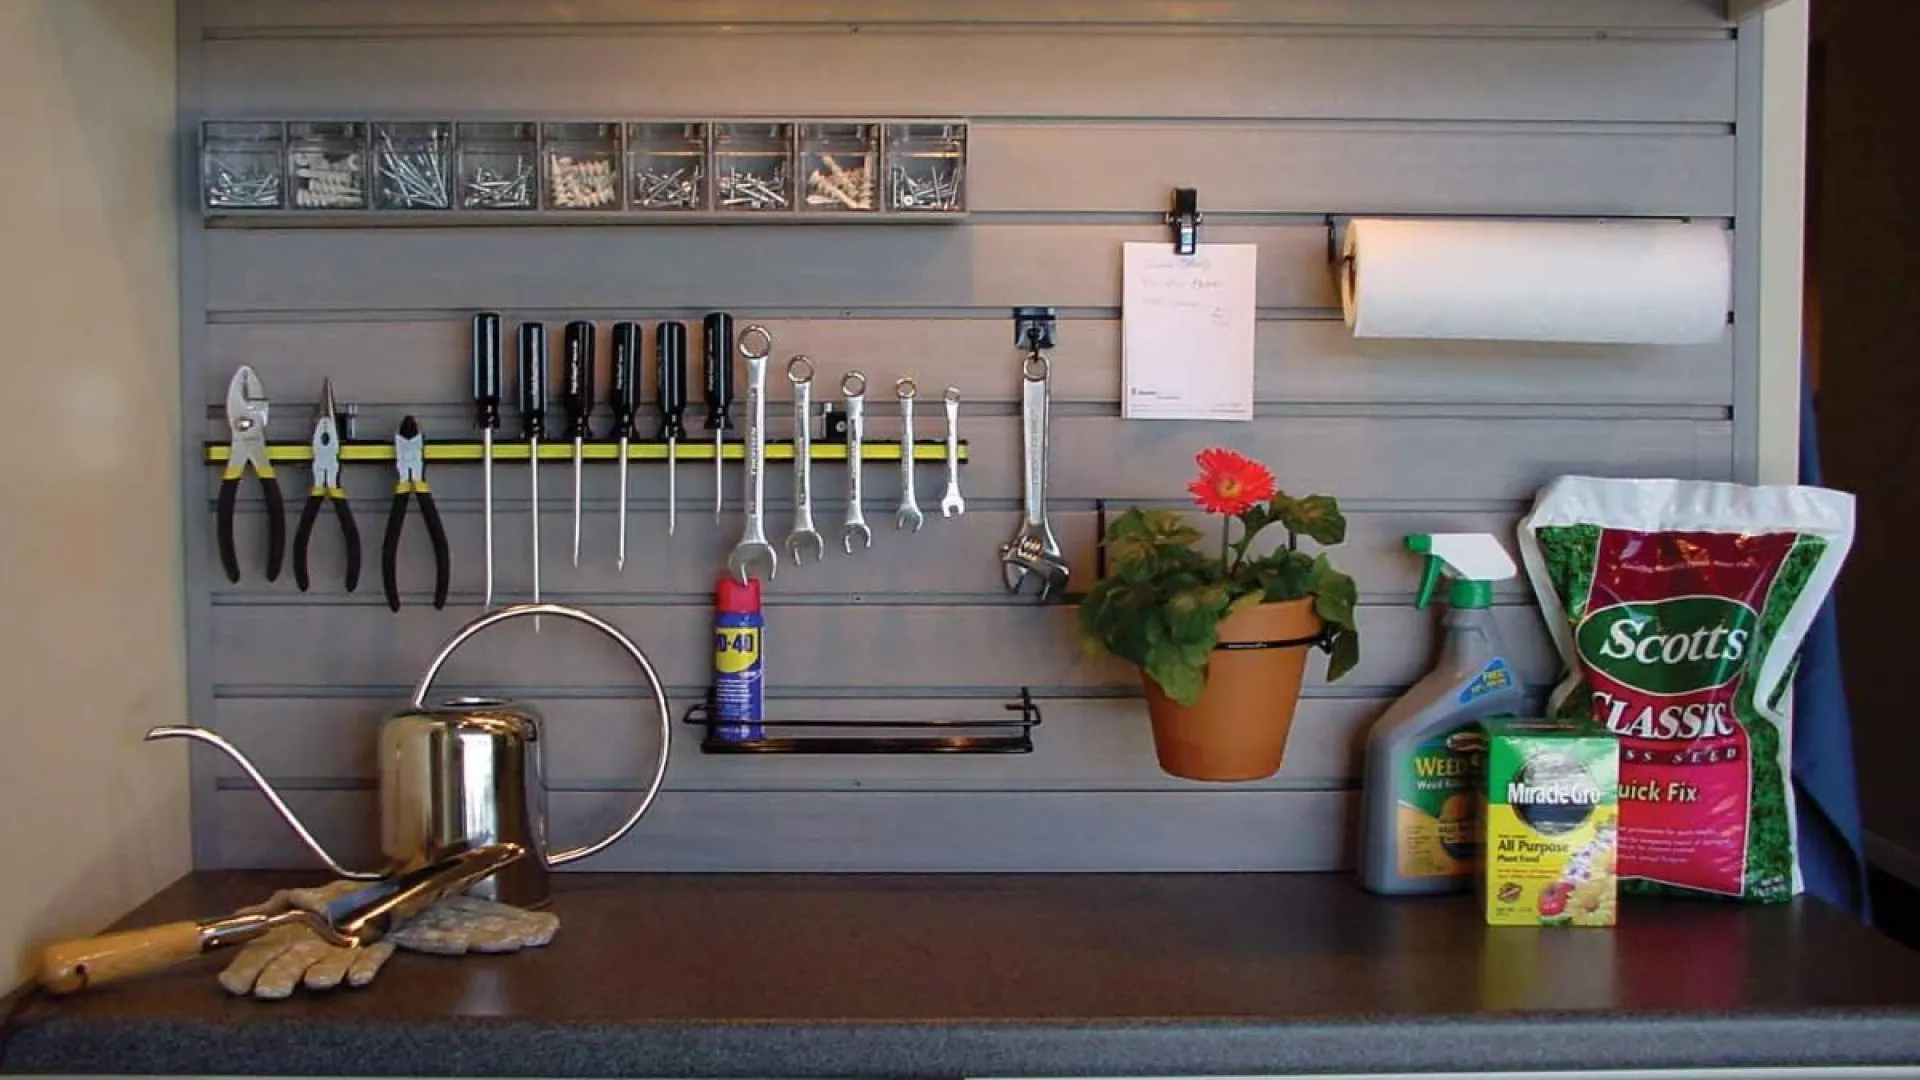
(493, 618)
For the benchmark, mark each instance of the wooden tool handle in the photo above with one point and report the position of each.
(76, 965)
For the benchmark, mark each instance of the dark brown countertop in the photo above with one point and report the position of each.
(935, 976)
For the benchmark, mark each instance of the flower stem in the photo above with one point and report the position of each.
(1226, 534)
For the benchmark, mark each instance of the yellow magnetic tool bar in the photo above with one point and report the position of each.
(562, 450)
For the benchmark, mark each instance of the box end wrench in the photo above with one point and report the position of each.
(755, 345)
(803, 537)
(951, 504)
(908, 517)
(1033, 547)
(853, 386)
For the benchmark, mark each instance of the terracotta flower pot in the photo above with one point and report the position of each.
(1238, 728)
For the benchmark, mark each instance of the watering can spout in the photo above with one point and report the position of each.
(215, 740)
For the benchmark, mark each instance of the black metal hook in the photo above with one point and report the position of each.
(1185, 218)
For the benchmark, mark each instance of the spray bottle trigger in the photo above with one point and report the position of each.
(1421, 544)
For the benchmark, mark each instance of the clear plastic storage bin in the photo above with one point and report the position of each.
(497, 165)
(327, 165)
(581, 166)
(927, 167)
(667, 166)
(753, 166)
(413, 166)
(840, 167)
(243, 165)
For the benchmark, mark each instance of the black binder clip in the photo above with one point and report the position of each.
(1185, 218)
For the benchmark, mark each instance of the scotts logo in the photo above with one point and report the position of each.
(1668, 647)
(1553, 793)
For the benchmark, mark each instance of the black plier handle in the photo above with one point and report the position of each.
(410, 460)
(349, 532)
(276, 520)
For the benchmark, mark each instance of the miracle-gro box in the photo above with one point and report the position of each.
(1553, 823)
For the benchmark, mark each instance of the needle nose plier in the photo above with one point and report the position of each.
(247, 419)
(409, 455)
(326, 488)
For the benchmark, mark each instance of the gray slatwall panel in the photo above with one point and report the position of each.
(1399, 171)
(1358, 458)
(590, 743)
(1306, 107)
(876, 830)
(743, 267)
(367, 16)
(964, 549)
(425, 362)
(810, 646)
(1226, 73)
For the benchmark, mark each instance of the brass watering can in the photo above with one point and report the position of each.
(467, 773)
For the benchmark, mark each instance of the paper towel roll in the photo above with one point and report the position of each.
(1627, 283)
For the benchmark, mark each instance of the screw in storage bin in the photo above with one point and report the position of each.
(753, 166)
(840, 166)
(580, 164)
(498, 160)
(413, 165)
(926, 166)
(243, 164)
(667, 166)
(327, 165)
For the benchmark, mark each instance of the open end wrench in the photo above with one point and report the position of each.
(909, 515)
(803, 537)
(951, 504)
(853, 386)
(1033, 548)
(755, 344)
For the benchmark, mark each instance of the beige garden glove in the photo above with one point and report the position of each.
(294, 956)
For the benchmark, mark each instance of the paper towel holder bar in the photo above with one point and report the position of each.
(1184, 219)
(1338, 224)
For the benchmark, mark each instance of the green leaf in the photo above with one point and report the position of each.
(1334, 594)
(1345, 654)
(1247, 602)
(1194, 614)
(1183, 682)
(1287, 575)
(1316, 517)
(1144, 538)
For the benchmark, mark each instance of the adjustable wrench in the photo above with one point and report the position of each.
(1033, 548)
(755, 344)
(854, 387)
(803, 537)
(951, 504)
(909, 515)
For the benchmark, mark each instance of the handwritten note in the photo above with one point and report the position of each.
(1187, 338)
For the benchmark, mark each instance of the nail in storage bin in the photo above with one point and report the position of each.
(243, 165)
(840, 166)
(327, 164)
(667, 166)
(497, 165)
(582, 165)
(413, 166)
(927, 167)
(753, 166)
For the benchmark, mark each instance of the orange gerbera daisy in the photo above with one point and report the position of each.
(1229, 482)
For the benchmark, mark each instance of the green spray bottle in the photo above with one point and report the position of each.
(1423, 801)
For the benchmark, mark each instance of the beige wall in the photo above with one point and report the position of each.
(91, 651)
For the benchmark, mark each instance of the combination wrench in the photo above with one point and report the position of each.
(951, 504)
(1033, 548)
(803, 537)
(853, 386)
(909, 515)
(755, 345)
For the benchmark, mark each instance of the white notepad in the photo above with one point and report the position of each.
(1186, 350)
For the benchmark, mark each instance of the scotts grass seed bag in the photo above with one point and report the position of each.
(1678, 607)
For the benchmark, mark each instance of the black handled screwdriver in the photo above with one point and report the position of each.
(576, 398)
(670, 353)
(533, 423)
(626, 398)
(486, 399)
(719, 393)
